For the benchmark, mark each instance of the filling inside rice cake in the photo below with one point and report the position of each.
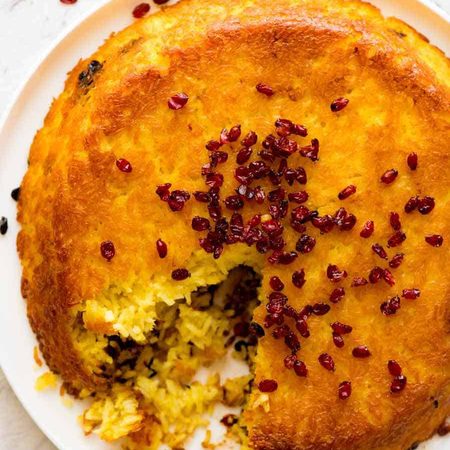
(159, 388)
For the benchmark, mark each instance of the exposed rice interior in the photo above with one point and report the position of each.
(150, 347)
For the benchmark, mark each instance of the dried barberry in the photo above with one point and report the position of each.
(389, 176)
(339, 104)
(320, 309)
(272, 227)
(361, 351)
(339, 216)
(178, 101)
(325, 223)
(202, 197)
(394, 220)
(123, 165)
(334, 274)
(337, 295)
(214, 180)
(426, 205)
(200, 223)
(411, 294)
(367, 229)
(341, 328)
(289, 361)
(298, 278)
(299, 130)
(396, 260)
(412, 161)
(359, 281)
(107, 249)
(234, 202)
(297, 226)
(258, 169)
(254, 221)
(215, 212)
(292, 342)
(284, 147)
(216, 158)
(231, 136)
(394, 368)
(345, 390)
(213, 145)
(283, 127)
(376, 274)
(277, 297)
(180, 274)
(391, 306)
(388, 277)
(266, 155)
(252, 235)
(300, 214)
(281, 257)
(348, 223)
(311, 151)
(139, 11)
(380, 251)
(279, 210)
(243, 175)
(281, 331)
(276, 284)
(338, 340)
(327, 362)
(411, 204)
(163, 191)
(177, 199)
(302, 327)
(272, 319)
(259, 195)
(298, 197)
(398, 384)
(276, 195)
(396, 239)
(305, 244)
(268, 385)
(243, 155)
(250, 139)
(265, 89)
(298, 174)
(300, 368)
(347, 192)
(435, 240)
(161, 248)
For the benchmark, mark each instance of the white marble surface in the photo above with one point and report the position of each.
(27, 29)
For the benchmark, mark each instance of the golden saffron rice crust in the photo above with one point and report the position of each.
(311, 52)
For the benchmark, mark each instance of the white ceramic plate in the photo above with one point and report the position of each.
(20, 123)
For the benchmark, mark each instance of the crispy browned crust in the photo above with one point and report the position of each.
(311, 52)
